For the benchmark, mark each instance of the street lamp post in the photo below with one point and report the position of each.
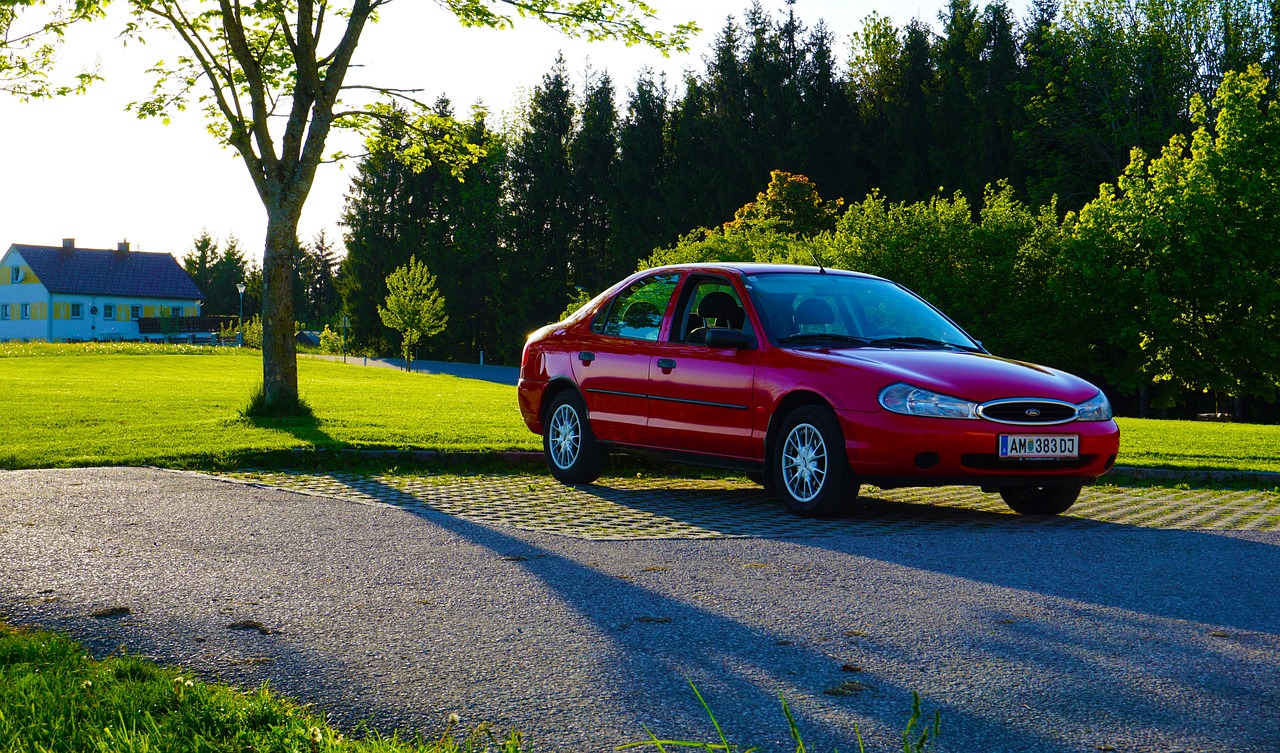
(346, 324)
(240, 334)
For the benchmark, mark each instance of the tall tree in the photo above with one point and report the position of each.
(317, 271)
(1176, 264)
(957, 124)
(640, 218)
(536, 268)
(593, 158)
(199, 263)
(252, 67)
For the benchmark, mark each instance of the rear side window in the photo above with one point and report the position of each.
(637, 311)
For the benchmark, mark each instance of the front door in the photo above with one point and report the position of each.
(700, 397)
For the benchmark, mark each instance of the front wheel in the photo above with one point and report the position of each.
(1042, 500)
(571, 450)
(810, 468)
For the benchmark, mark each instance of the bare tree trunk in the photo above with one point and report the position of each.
(279, 349)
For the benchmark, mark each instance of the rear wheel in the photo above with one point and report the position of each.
(1042, 500)
(810, 469)
(571, 450)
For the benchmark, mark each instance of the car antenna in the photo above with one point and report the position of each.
(821, 269)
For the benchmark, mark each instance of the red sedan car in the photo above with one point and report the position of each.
(812, 381)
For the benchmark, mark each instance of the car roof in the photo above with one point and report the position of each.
(752, 268)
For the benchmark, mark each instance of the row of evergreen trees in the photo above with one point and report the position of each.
(572, 192)
(217, 271)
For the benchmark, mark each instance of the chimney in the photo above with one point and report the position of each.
(123, 247)
(69, 244)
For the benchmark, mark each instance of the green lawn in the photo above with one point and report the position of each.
(55, 698)
(183, 410)
(180, 407)
(1199, 444)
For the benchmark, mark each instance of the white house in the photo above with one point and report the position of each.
(56, 294)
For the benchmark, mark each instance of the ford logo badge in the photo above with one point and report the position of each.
(1032, 412)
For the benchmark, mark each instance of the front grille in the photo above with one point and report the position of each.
(1028, 412)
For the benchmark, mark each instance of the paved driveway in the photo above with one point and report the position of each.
(1151, 623)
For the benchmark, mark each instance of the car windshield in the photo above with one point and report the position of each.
(849, 311)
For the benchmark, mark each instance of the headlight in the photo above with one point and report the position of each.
(1097, 408)
(913, 401)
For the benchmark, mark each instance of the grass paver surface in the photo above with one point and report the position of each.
(679, 508)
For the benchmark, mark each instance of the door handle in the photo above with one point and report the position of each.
(586, 357)
(666, 364)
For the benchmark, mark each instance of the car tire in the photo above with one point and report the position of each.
(573, 456)
(1053, 499)
(809, 466)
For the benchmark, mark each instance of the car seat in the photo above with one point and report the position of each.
(812, 312)
(720, 307)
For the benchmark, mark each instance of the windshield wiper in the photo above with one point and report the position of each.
(923, 342)
(820, 337)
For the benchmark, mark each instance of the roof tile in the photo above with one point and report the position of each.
(91, 271)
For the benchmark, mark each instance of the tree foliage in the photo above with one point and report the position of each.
(31, 31)
(271, 79)
(790, 204)
(217, 271)
(414, 307)
(979, 150)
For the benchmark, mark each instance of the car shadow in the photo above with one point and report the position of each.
(1124, 573)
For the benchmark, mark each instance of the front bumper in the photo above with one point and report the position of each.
(889, 450)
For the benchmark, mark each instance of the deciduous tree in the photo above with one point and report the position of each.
(414, 307)
(271, 79)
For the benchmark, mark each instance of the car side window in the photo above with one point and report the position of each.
(637, 311)
(712, 303)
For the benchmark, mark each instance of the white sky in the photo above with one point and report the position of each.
(83, 168)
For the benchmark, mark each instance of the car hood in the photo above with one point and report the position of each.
(972, 376)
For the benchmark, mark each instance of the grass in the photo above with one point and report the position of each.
(151, 407)
(138, 404)
(1150, 443)
(54, 698)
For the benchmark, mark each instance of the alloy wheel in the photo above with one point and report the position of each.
(804, 462)
(566, 436)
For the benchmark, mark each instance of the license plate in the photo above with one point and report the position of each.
(1039, 445)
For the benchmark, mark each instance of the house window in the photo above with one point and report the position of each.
(4, 311)
(77, 311)
(15, 275)
(26, 311)
(109, 311)
(176, 311)
(135, 313)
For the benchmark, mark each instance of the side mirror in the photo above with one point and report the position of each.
(728, 339)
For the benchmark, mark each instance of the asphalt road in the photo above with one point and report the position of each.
(1028, 637)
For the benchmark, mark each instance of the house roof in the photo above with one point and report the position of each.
(91, 271)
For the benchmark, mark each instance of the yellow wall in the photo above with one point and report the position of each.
(28, 277)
